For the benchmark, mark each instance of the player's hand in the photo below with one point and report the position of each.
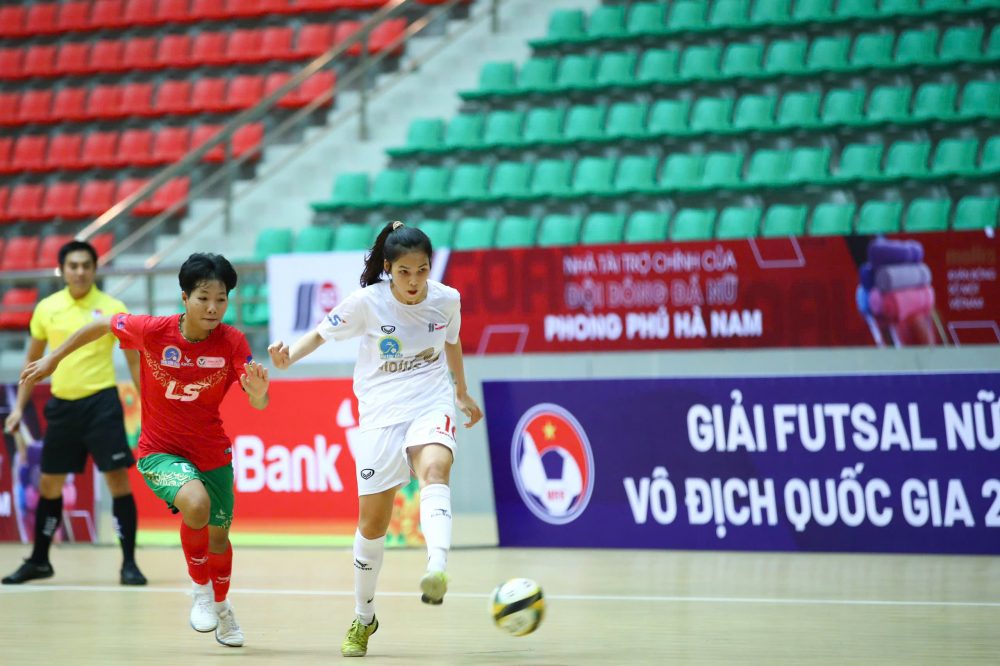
(37, 370)
(13, 421)
(255, 380)
(280, 355)
(469, 408)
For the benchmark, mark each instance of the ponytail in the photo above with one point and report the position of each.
(395, 240)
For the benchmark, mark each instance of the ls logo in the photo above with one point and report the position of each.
(191, 392)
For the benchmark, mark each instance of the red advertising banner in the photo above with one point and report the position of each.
(755, 293)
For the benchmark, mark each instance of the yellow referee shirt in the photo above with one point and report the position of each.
(89, 369)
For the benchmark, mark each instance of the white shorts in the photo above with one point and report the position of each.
(380, 455)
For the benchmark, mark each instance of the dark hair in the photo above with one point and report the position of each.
(395, 240)
(74, 246)
(204, 267)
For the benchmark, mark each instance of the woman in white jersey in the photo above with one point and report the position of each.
(406, 402)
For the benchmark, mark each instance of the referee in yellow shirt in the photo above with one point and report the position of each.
(84, 415)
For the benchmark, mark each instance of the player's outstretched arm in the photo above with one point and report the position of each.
(45, 366)
(282, 356)
(255, 383)
(456, 363)
(36, 349)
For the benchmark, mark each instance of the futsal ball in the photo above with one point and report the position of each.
(517, 606)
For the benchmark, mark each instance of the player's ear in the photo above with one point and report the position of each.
(387, 267)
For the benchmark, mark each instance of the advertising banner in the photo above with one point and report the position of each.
(885, 463)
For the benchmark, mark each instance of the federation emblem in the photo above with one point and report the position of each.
(389, 347)
(552, 463)
(171, 357)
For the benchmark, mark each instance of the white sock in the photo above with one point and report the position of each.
(435, 521)
(221, 606)
(367, 564)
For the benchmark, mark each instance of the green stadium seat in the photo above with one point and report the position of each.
(782, 220)
(770, 13)
(861, 162)
(636, 174)
(828, 54)
(712, 115)
(786, 56)
(682, 172)
(351, 237)
(889, 104)
(980, 99)
(722, 170)
(313, 238)
(832, 219)
(594, 175)
(551, 178)
(350, 190)
(255, 309)
(935, 101)
(576, 72)
(584, 122)
(907, 159)
(603, 229)
(927, 215)
(813, 11)
(658, 66)
(880, 217)
(543, 125)
(474, 233)
(961, 44)
(424, 135)
(646, 227)
(616, 69)
(235, 302)
(469, 182)
(917, 47)
(429, 185)
(565, 25)
(900, 8)
(391, 188)
(495, 78)
(729, 14)
(872, 50)
(976, 213)
(700, 63)
(511, 180)
(538, 75)
(743, 61)
(808, 166)
(465, 131)
(516, 231)
(647, 19)
(755, 113)
(983, 4)
(992, 52)
(738, 223)
(989, 163)
(693, 224)
(857, 9)
(844, 106)
(799, 110)
(687, 15)
(271, 241)
(558, 230)
(955, 157)
(607, 22)
(439, 232)
(627, 120)
(932, 6)
(503, 128)
(669, 117)
(768, 168)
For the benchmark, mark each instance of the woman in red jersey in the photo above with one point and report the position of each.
(189, 362)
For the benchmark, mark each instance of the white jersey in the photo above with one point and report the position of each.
(401, 369)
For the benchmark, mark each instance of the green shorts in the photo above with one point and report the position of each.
(165, 474)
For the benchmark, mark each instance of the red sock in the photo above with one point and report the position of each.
(220, 566)
(195, 545)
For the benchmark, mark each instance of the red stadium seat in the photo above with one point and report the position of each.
(272, 6)
(40, 61)
(48, 252)
(96, 197)
(201, 135)
(140, 53)
(73, 16)
(135, 148)
(4, 200)
(70, 104)
(105, 102)
(245, 46)
(247, 8)
(26, 202)
(36, 105)
(10, 104)
(29, 152)
(209, 48)
(172, 11)
(11, 62)
(17, 306)
(209, 96)
(100, 149)
(314, 86)
(41, 19)
(208, 10)
(12, 20)
(127, 188)
(276, 44)
(171, 144)
(175, 51)
(107, 56)
(73, 58)
(6, 150)
(102, 243)
(173, 97)
(245, 91)
(315, 39)
(107, 14)
(139, 13)
(61, 199)
(65, 152)
(137, 100)
(173, 192)
(385, 34)
(247, 139)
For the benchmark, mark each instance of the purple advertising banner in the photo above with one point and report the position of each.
(895, 463)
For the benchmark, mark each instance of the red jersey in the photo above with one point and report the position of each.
(183, 384)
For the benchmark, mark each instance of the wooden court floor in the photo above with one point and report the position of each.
(604, 607)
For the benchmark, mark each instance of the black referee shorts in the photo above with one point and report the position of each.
(94, 425)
